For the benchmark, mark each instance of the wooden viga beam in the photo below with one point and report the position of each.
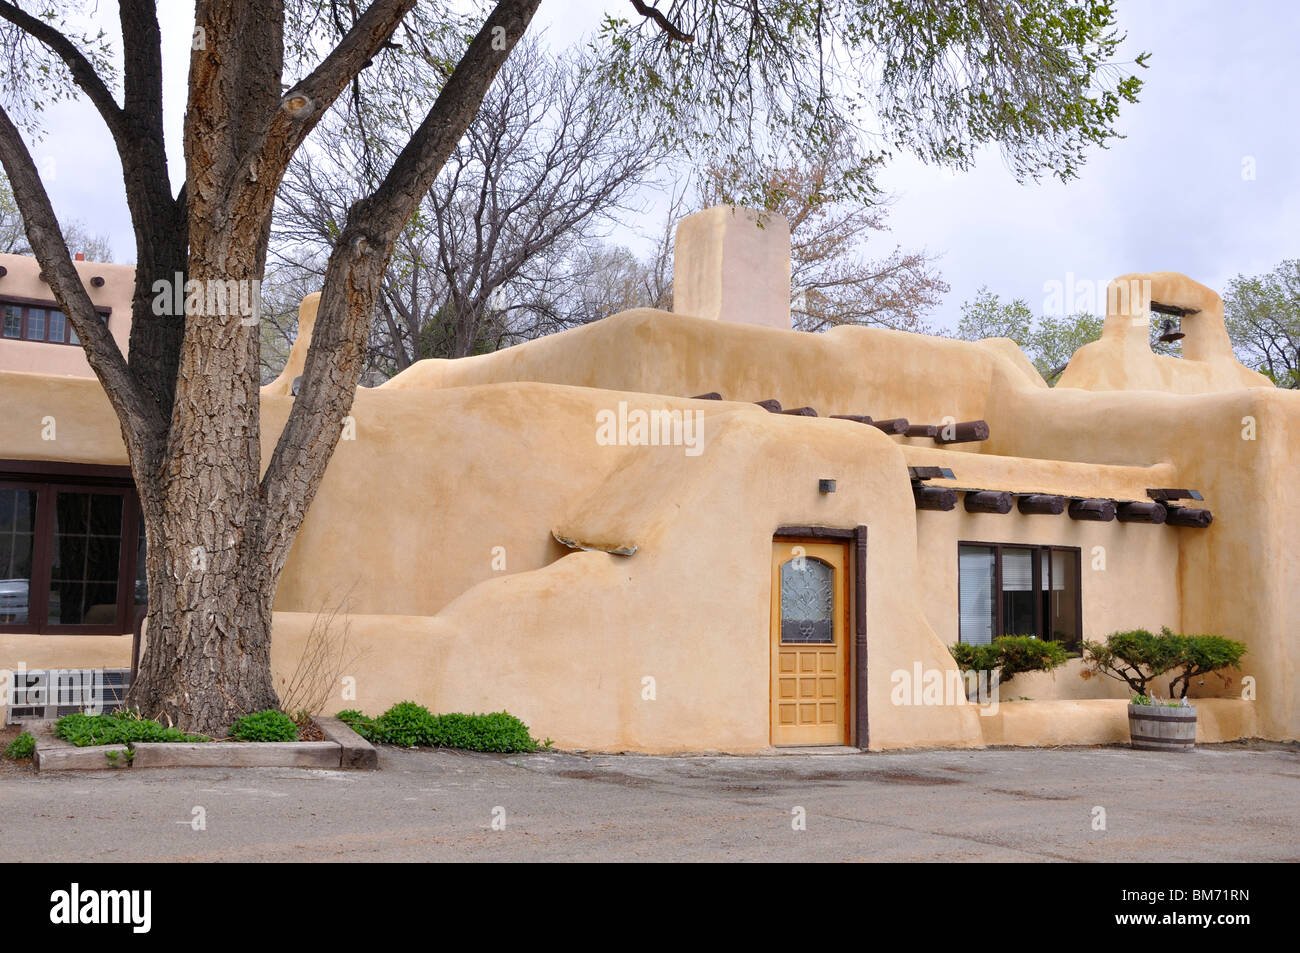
(988, 501)
(1046, 503)
(801, 412)
(1187, 516)
(1138, 512)
(1095, 511)
(934, 497)
(856, 418)
(770, 405)
(711, 395)
(965, 432)
(895, 425)
(922, 430)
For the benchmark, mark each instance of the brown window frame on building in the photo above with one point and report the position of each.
(1038, 549)
(26, 305)
(48, 478)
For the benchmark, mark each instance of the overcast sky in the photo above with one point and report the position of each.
(1206, 182)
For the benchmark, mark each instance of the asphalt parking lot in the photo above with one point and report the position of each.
(1233, 802)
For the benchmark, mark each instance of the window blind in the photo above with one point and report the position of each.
(975, 581)
(1017, 570)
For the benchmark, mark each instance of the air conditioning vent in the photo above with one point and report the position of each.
(44, 695)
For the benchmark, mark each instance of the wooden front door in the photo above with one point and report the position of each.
(810, 646)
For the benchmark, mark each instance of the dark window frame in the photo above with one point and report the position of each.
(25, 305)
(1038, 549)
(48, 478)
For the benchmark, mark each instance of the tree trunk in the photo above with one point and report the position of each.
(207, 658)
(208, 651)
(218, 529)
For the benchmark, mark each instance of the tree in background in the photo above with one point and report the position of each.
(718, 80)
(988, 317)
(615, 279)
(1057, 337)
(1049, 342)
(1262, 315)
(13, 235)
(832, 279)
(1263, 318)
(504, 238)
(12, 232)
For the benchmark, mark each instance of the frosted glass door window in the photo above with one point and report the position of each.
(807, 602)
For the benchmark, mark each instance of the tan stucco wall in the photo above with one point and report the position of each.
(22, 280)
(452, 459)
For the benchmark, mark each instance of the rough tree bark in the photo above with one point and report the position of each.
(218, 529)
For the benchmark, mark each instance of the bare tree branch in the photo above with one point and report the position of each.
(83, 73)
(303, 106)
(353, 277)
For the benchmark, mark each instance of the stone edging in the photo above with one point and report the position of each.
(343, 749)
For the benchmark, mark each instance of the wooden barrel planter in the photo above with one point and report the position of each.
(1160, 728)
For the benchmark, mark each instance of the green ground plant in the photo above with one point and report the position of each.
(269, 725)
(21, 748)
(411, 725)
(119, 728)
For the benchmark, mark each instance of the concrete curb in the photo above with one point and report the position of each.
(344, 749)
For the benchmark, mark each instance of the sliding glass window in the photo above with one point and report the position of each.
(1018, 590)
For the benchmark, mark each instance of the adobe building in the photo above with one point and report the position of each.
(704, 531)
(37, 337)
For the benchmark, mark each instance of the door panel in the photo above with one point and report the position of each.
(809, 639)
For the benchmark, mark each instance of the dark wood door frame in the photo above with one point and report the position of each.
(858, 558)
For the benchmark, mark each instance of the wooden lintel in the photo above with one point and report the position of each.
(934, 497)
(1161, 494)
(988, 501)
(1044, 503)
(814, 532)
(965, 432)
(930, 473)
(1138, 512)
(1095, 511)
(1173, 309)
